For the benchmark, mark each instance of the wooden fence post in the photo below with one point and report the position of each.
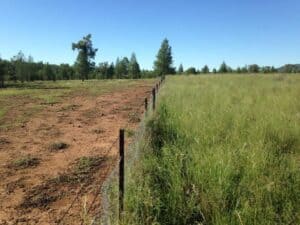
(153, 99)
(121, 172)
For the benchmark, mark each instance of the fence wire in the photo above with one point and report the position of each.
(107, 189)
(84, 186)
(110, 197)
(109, 212)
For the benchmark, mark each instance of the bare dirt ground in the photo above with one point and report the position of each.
(52, 165)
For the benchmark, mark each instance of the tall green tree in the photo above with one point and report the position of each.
(125, 67)
(118, 69)
(223, 68)
(266, 69)
(121, 68)
(254, 68)
(65, 72)
(86, 53)
(29, 68)
(19, 61)
(273, 70)
(134, 68)
(111, 71)
(102, 70)
(191, 70)
(244, 69)
(48, 73)
(164, 59)
(180, 69)
(2, 73)
(11, 71)
(205, 69)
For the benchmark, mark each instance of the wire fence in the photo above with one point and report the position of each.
(107, 185)
(110, 163)
(109, 212)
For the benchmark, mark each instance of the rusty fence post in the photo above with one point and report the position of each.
(121, 172)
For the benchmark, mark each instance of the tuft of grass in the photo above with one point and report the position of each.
(3, 111)
(134, 117)
(82, 171)
(98, 130)
(129, 133)
(26, 162)
(86, 164)
(4, 141)
(40, 196)
(85, 217)
(56, 146)
(221, 150)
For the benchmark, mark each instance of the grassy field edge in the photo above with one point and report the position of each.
(218, 154)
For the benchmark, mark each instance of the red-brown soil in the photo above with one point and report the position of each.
(54, 182)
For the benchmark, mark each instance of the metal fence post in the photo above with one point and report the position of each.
(146, 104)
(153, 98)
(121, 173)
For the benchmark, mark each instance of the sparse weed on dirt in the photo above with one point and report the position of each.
(3, 110)
(98, 130)
(44, 93)
(86, 164)
(40, 197)
(47, 130)
(4, 141)
(25, 162)
(80, 173)
(134, 117)
(59, 145)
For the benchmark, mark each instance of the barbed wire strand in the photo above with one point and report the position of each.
(141, 131)
(109, 169)
(114, 166)
(84, 185)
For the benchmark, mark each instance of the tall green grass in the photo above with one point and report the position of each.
(221, 150)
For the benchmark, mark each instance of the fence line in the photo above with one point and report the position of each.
(131, 154)
(105, 155)
(113, 170)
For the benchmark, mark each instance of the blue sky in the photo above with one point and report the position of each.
(266, 32)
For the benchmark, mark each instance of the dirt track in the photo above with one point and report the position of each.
(42, 188)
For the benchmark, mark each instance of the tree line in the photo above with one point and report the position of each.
(224, 68)
(21, 68)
